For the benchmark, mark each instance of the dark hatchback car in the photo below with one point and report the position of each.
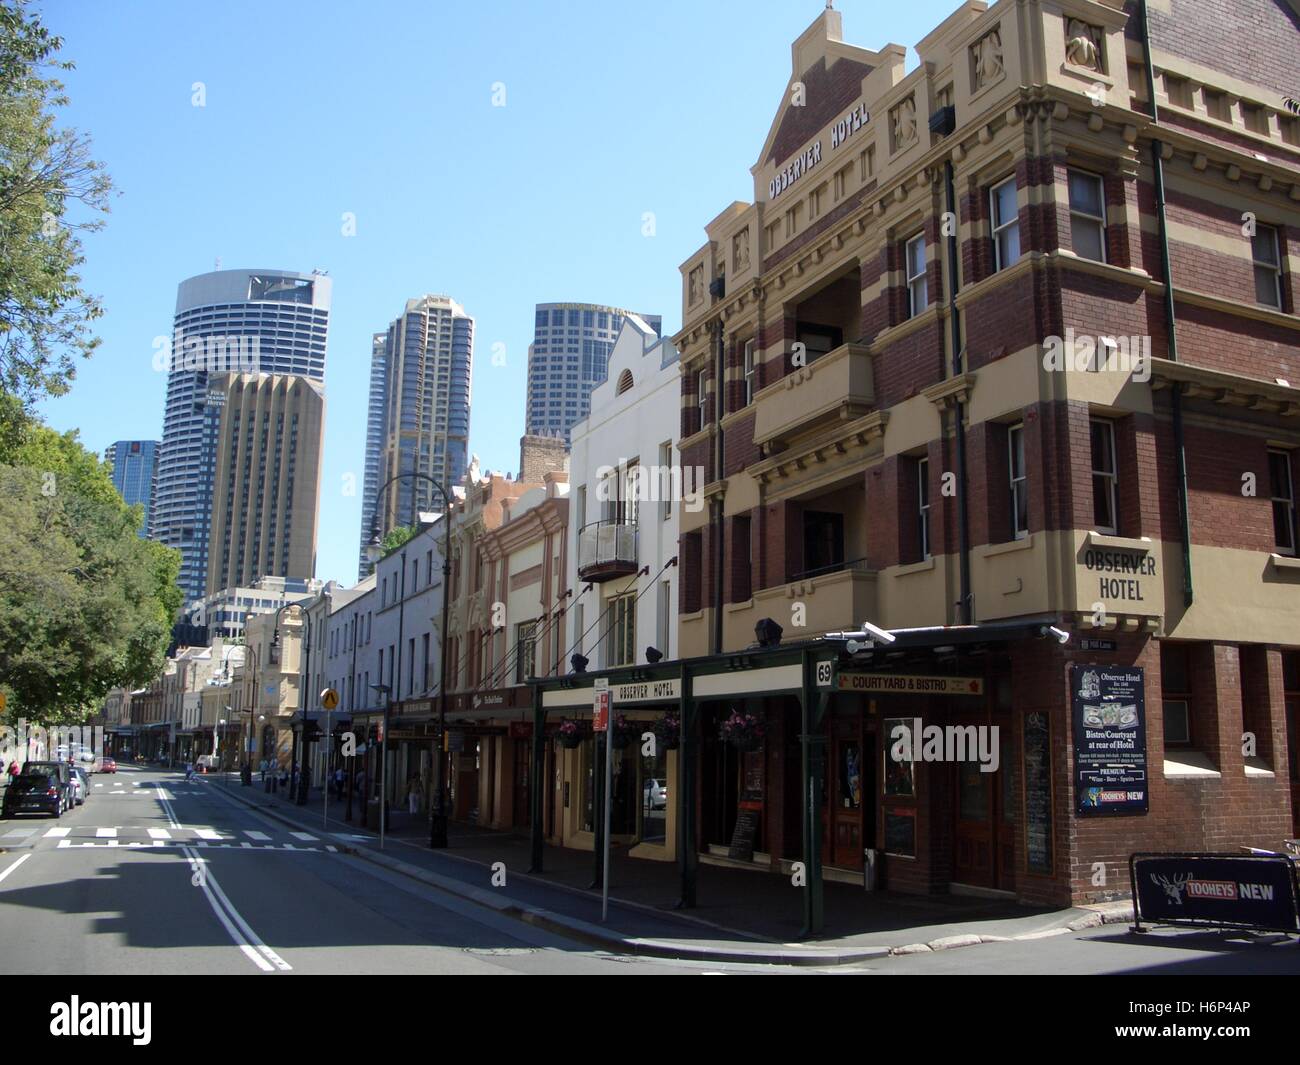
(35, 791)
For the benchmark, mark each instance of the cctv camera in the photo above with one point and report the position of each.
(884, 635)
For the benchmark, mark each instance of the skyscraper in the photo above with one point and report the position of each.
(566, 360)
(267, 486)
(133, 465)
(243, 321)
(374, 447)
(428, 362)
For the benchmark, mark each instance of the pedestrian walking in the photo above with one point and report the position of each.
(340, 782)
(413, 790)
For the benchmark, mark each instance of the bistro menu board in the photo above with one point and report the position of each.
(1110, 745)
(1038, 792)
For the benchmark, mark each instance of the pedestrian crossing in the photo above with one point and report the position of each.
(193, 836)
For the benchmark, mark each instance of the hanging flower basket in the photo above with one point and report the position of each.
(571, 734)
(742, 731)
(668, 732)
(625, 732)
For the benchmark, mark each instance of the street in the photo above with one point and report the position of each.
(154, 875)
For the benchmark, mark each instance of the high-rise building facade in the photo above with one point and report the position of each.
(133, 465)
(228, 321)
(266, 490)
(374, 446)
(428, 362)
(567, 359)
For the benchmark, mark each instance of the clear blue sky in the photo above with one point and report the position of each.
(384, 109)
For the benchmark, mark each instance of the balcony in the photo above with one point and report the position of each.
(606, 550)
(838, 386)
(832, 599)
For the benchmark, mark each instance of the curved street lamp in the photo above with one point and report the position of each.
(374, 552)
(246, 773)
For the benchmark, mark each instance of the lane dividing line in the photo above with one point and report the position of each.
(248, 941)
(14, 866)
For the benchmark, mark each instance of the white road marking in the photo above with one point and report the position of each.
(19, 833)
(306, 837)
(244, 937)
(106, 833)
(208, 833)
(159, 833)
(56, 833)
(253, 834)
(15, 866)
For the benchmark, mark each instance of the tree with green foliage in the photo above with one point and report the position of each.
(50, 190)
(397, 537)
(85, 604)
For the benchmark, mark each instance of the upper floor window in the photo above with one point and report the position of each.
(1105, 477)
(1004, 212)
(702, 395)
(525, 650)
(1087, 215)
(1018, 481)
(622, 630)
(1265, 252)
(749, 372)
(917, 291)
(923, 506)
(1282, 492)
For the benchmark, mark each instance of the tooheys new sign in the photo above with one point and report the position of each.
(1239, 891)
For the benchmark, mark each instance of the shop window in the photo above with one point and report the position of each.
(1281, 475)
(1005, 217)
(1266, 255)
(917, 289)
(1175, 688)
(1105, 477)
(1087, 215)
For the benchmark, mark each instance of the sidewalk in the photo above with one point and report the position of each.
(743, 915)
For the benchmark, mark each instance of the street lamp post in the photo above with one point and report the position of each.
(387, 693)
(374, 550)
(247, 772)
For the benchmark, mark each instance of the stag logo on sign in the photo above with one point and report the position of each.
(1173, 889)
(77, 1018)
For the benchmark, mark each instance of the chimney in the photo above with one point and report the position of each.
(540, 455)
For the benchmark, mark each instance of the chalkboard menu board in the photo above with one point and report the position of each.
(1038, 792)
(1110, 741)
(900, 832)
(746, 830)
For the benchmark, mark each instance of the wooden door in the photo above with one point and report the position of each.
(976, 828)
(1293, 749)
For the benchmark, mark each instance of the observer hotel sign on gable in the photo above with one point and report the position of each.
(841, 131)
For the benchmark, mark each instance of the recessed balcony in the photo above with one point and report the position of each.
(606, 550)
(837, 386)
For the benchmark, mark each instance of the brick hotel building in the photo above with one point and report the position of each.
(864, 382)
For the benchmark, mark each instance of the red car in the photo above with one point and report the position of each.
(108, 766)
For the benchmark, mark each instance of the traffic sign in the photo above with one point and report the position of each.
(329, 698)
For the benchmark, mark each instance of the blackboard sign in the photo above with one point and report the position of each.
(746, 830)
(1236, 891)
(1110, 740)
(900, 832)
(1038, 792)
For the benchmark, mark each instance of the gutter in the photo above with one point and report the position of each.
(964, 611)
(1171, 324)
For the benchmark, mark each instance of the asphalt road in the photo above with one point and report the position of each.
(154, 875)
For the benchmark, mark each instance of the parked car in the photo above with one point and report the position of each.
(36, 791)
(107, 765)
(82, 780)
(654, 794)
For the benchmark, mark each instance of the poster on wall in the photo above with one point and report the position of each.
(1108, 709)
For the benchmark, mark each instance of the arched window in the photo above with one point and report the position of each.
(624, 382)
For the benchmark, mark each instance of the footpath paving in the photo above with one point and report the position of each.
(742, 915)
